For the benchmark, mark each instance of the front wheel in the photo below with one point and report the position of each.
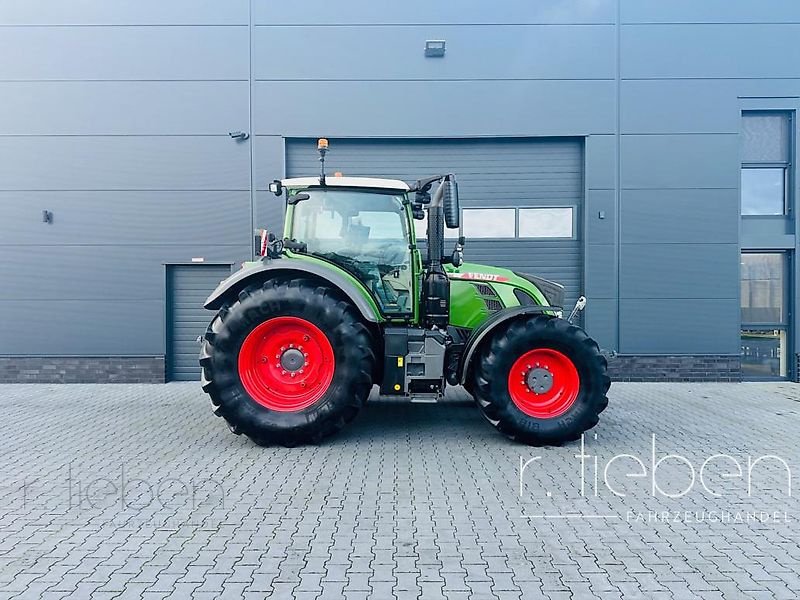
(541, 381)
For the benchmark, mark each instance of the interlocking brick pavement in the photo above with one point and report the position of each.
(137, 491)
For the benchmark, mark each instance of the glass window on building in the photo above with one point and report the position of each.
(766, 162)
(489, 222)
(546, 222)
(764, 301)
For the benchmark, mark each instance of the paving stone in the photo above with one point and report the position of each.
(410, 501)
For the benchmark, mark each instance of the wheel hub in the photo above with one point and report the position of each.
(292, 360)
(539, 380)
(543, 383)
(286, 364)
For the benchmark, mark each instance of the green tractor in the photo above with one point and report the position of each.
(347, 299)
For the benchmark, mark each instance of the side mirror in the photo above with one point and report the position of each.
(299, 197)
(450, 206)
(457, 258)
(276, 187)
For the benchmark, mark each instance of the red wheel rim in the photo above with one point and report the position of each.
(286, 364)
(543, 383)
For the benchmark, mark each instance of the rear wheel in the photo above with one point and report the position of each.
(541, 381)
(287, 363)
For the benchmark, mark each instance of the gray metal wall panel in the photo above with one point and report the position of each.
(269, 212)
(187, 288)
(698, 271)
(97, 108)
(601, 221)
(424, 12)
(680, 216)
(598, 283)
(125, 218)
(50, 327)
(98, 273)
(123, 163)
(473, 52)
(124, 12)
(709, 11)
(116, 53)
(269, 155)
(680, 161)
(600, 319)
(668, 326)
(498, 172)
(123, 107)
(767, 234)
(680, 106)
(710, 51)
(439, 108)
(601, 162)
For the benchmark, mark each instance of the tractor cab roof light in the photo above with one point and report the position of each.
(322, 147)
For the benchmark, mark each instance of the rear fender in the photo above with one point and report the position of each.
(262, 271)
(484, 331)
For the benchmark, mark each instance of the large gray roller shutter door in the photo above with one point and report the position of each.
(187, 288)
(491, 173)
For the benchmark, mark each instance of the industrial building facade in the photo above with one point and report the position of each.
(641, 152)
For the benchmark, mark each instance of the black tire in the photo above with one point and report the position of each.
(497, 356)
(352, 349)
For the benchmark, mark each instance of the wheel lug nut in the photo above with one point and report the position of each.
(293, 374)
(300, 371)
(283, 372)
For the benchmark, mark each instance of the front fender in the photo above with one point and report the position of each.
(482, 332)
(264, 270)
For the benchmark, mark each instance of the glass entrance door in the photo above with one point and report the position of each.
(765, 315)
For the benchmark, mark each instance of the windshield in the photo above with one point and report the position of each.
(365, 233)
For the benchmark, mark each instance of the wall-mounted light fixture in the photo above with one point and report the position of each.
(434, 48)
(47, 217)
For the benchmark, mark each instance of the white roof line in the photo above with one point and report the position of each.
(330, 181)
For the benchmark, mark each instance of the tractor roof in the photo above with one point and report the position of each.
(365, 182)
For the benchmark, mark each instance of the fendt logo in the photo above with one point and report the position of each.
(478, 277)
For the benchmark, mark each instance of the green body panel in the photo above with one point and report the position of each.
(468, 307)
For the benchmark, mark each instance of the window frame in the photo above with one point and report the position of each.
(483, 239)
(787, 166)
(787, 189)
(574, 207)
(785, 325)
(574, 225)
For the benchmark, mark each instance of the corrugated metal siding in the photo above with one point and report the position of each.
(187, 288)
(491, 173)
(124, 138)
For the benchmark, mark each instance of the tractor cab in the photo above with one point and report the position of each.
(364, 226)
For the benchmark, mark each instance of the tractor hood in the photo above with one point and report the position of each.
(544, 291)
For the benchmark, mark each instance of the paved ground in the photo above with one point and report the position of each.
(139, 492)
